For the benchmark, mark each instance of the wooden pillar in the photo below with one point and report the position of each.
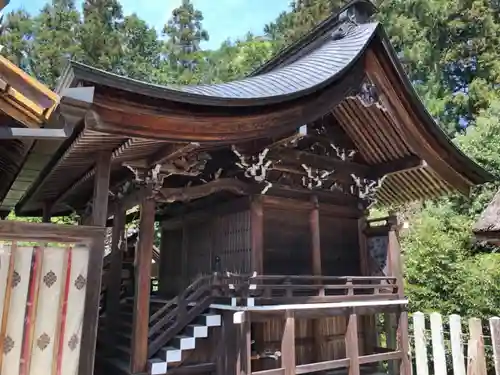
(114, 276)
(244, 343)
(144, 256)
(184, 256)
(396, 270)
(352, 344)
(101, 189)
(315, 237)
(46, 213)
(369, 324)
(288, 344)
(96, 256)
(257, 255)
(163, 265)
(314, 225)
(229, 361)
(257, 222)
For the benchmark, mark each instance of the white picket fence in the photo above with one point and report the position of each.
(453, 346)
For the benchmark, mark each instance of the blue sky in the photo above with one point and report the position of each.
(223, 18)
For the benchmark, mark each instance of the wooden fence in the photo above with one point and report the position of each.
(452, 345)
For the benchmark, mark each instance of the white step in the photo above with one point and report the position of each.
(184, 342)
(197, 330)
(211, 319)
(171, 354)
(157, 367)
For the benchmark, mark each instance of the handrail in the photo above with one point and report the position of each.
(174, 300)
(171, 318)
(180, 317)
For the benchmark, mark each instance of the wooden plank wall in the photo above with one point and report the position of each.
(288, 250)
(332, 343)
(170, 269)
(193, 248)
(339, 246)
(226, 236)
(287, 242)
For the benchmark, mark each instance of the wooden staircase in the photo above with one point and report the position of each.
(114, 348)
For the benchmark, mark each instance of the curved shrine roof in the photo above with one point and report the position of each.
(301, 77)
(134, 120)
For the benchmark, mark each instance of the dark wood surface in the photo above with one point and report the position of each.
(144, 256)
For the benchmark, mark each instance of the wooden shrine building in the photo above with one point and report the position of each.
(487, 227)
(267, 263)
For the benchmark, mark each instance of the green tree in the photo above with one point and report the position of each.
(16, 39)
(444, 269)
(185, 32)
(235, 60)
(449, 49)
(55, 40)
(303, 16)
(100, 34)
(141, 50)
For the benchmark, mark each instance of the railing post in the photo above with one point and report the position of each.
(288, 344)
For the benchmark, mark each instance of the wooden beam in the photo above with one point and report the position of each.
(288, 344)
(184, 194)
(257, 233)
(297, 157)
(399, 165)
(170, 152)
(46, 232)
(322, 366)
(140, 327)
(380, 357)
(345, 168)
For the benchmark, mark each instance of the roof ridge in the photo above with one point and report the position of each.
(304, 45)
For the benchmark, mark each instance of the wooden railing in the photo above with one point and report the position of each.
(179, 312)
(272, 290)
(169, 320)
(126, 284)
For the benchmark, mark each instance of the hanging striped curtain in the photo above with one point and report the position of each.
(42, 299)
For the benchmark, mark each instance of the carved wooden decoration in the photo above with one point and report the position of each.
(314, 178)
(369, 95)
(365, 189)
(255, 167)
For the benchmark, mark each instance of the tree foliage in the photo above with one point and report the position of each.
(445, 269)
(449, 50)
